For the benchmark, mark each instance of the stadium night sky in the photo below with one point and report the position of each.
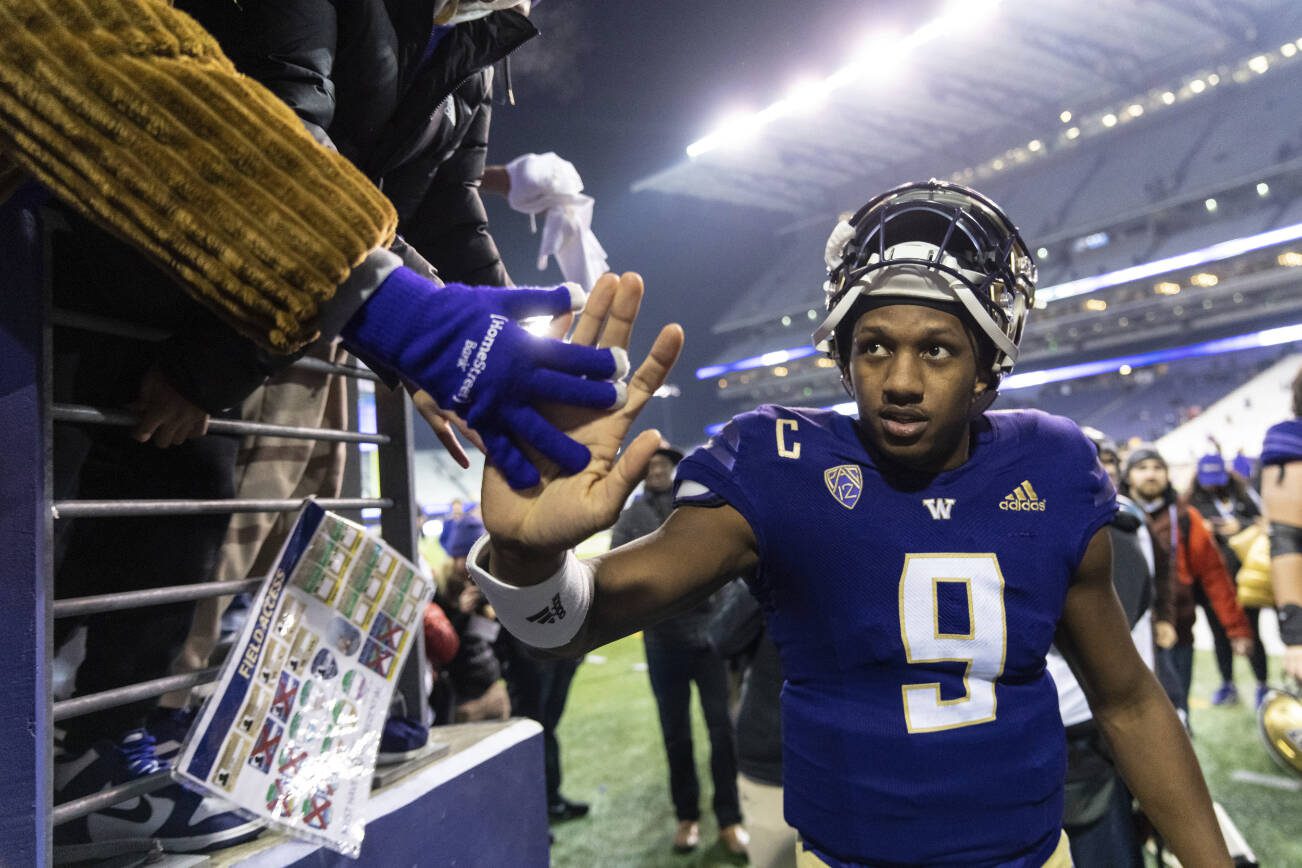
(620, 88)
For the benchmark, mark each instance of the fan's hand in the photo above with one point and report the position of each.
(531, 528)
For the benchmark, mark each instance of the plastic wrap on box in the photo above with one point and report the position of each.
(291, 732)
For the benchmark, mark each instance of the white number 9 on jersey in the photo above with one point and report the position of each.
(952, 610)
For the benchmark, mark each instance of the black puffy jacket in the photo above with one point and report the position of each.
(409, 105)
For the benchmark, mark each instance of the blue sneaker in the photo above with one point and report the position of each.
(403, 739)
(1262, 690)
(169, 727)
(1226, 694)
(171, 818)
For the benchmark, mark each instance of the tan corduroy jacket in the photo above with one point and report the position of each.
(130, 112)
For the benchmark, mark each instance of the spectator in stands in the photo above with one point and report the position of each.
(737, 630)
(93, 273)
(1229, 505)
(441, 646)
(233, 209)
(678, 653)
(476, 669)
(1242, 465)
(1187, 557)
(1281, 491)
(456, 510)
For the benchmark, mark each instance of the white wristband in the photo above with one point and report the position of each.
(546, 615)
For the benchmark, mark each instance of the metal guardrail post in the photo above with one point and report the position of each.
(398, 526)
(25, 537)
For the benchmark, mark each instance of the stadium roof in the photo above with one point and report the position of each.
(986, 86)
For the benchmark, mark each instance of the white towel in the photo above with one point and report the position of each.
(546, 184)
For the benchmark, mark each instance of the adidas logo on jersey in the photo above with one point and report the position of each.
(1023, 499)
(939, 507)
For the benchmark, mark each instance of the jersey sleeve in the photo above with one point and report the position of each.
(1092, 497)
(716, 474)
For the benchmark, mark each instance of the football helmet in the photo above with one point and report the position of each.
(937, 242)
(1279, 723)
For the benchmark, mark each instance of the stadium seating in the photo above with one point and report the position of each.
(1150, 402)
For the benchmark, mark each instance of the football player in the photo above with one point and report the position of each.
(915, 564)
(1281, 489)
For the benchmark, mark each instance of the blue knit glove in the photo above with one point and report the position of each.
(460, 344)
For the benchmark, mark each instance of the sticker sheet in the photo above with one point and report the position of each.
(291, 732)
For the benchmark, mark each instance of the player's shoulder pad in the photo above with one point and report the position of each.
(745, 448)
(1043, 431)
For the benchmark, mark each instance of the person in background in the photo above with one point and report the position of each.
(1229, 505)
(737, 631)
(476, 669)
(456, 510)
(1098, 816)
(678, 653)
(441, 646)
(1281, 492)
(539, 687)
(1188, 559)
(1242, 465)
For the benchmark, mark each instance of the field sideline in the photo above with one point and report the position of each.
(613, 758)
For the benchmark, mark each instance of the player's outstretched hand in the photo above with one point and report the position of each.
(562, 511)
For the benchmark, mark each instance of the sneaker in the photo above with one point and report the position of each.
(1262, 690)
(169, 727)
(171, 818)
(561, 809)
(403, 739)
(687, 836)
(734, 839)
(1226, 694)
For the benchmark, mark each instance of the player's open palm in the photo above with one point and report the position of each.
(562, 511)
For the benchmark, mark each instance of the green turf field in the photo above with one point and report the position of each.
(614, 759)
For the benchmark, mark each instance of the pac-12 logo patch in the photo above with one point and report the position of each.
(845, 482)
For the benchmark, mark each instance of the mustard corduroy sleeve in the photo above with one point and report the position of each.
(129, 111)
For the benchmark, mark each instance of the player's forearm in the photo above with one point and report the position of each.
(1155, 757)
(624, 590)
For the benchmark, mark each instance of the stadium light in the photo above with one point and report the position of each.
(1213, 253)
(881, 58)
(1271, 337)
(1065, 117)
(1109, 120)
(1263, 189)
(1168, 98)
(1259, 64)
(1073, 132)
(1197, 85)
(1209, 204)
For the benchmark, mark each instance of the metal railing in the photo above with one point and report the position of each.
(28, 412)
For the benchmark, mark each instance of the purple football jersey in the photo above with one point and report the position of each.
(913, 613)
